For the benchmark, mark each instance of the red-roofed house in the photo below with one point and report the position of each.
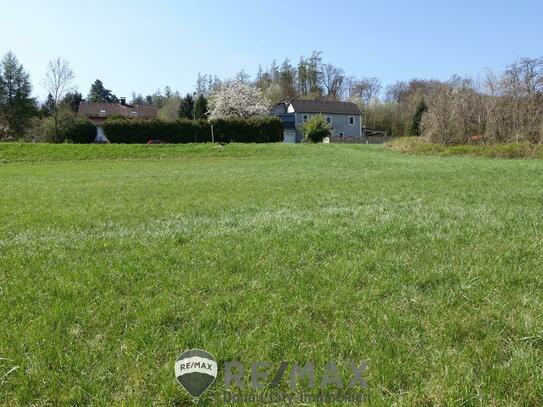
(98, 112)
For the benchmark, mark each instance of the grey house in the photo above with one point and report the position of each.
(344, 117)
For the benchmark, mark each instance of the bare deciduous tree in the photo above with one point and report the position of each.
(455, 111)
(366, 89)
(394, 93)
(437, 123)
(514, 102)
(333, 80)
(365, 92)
(58, 81)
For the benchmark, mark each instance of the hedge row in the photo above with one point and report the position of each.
(80, 132)
(252, 130)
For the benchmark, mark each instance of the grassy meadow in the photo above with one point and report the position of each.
(114, 259)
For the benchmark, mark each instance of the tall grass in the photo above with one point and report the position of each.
(417, 145)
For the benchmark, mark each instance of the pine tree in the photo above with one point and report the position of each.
(158, 99)
(200, 108)
(286, 79)
(243, 76)
(260, 79)
(263, 81)
(48, 107)
(72, 101)
(302, 77)
(99, 94)
(16, 105)
(201, 84)
(186, 108)
(414, 128)
(274, 72)
(137, 99)
(314, 74)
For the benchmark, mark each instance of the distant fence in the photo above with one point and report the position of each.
(361, 140)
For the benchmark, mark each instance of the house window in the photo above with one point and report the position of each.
(351, 120)
(328, 120)
(305, 118)
(341, 134)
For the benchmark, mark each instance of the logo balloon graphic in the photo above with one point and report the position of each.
(196, 370)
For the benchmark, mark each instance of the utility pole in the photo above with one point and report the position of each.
(194, 114)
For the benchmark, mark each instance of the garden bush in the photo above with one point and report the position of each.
(71, 129)
(316, 129)
(251, 130)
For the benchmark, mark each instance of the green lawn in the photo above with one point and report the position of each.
(115, 259)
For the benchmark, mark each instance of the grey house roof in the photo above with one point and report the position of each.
(324, 106)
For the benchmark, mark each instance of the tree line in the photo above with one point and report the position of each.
(310, 78)
(21, 115)
(24, 117)
(502, 106)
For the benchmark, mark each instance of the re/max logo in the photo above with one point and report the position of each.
(262, 374)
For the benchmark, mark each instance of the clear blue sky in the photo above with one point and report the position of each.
(144, 45)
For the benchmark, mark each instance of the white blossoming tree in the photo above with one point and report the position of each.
(239, 100)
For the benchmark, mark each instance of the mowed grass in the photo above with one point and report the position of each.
(428, 268)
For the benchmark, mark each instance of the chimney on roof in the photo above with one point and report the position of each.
(123, 101)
